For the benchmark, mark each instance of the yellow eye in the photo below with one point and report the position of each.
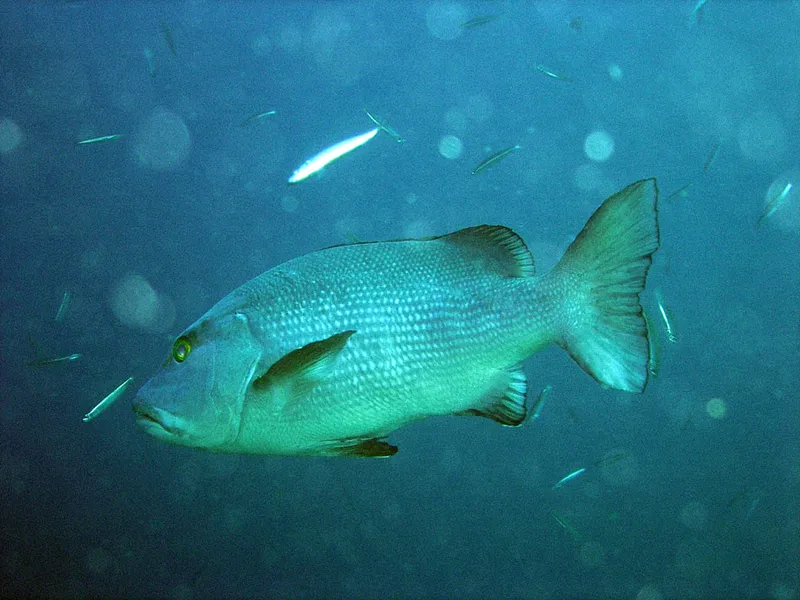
(181, 349)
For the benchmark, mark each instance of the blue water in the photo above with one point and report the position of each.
(146, 232)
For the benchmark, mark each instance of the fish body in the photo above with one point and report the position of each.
(256, 117)
(493, 159)
(107, 401)
(383, 125)
(774, 204)
(330, 352)
(98, 140)
(477, 21)
(569, 477)
(63, 307)
(54, 361)
(330, 154)
(552, 74)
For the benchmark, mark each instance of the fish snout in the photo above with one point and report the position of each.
(158, 422)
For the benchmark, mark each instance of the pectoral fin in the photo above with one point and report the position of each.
(305, 367)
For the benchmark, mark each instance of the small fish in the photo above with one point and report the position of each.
(53, 361)
(562, 520)
(64, 307)
(493, 159)
(774, 204)
(107, 401)
(611, 459)
(665, 317)
(167, 33)
(711, 157)
(697, 12)
(101, 139)
(549, 73)
(330, 154)
(386, 127)
(681, 192)
(151, 66)
(569, 477)
(539, 404)
(256, 117)
(654, 363)
(483, 20)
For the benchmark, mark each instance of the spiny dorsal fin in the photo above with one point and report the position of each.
(507, 403)
(499, 248)
(307, 365)
(369, 448)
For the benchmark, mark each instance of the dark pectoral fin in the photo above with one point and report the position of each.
(307, 365)
(506, 404)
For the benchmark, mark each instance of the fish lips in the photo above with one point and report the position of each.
(158, 422)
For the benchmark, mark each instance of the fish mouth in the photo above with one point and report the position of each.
(156, 422)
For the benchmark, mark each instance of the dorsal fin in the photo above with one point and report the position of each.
(497, 247)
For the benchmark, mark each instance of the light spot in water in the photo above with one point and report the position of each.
(450, 147)
(598, 146)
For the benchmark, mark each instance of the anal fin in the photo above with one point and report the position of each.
(365, 448)
(507, 403)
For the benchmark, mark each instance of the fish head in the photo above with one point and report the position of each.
(197, 396)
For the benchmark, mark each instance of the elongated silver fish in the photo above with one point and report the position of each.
(330, 352)
(320, 160)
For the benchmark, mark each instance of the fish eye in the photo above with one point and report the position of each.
(181, 349)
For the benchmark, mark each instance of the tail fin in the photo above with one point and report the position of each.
(610, 258)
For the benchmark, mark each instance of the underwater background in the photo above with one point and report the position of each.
(111, 248)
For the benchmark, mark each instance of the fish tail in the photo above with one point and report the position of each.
(604, 271)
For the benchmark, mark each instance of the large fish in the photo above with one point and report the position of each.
(328, 353)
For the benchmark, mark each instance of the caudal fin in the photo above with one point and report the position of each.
(609, 260)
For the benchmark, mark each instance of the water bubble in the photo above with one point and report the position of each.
(762, 137)
(10, 136)
(598, 146)
(136, 304)
(163, 141)
(592, 554)
(479, 108)
(289, 204)
(97, 560)
(649, 592)
(694, 515)
(615, 72)
(456, 120)
(587, 177)
(450, 147)
(261, 45)
(444, 20)
(716, 408)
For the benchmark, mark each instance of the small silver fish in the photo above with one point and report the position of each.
(665, 318)
(383, 125)
(493, 159)
(539, 404)
(329, 353)
(320, 160)
(101, 139)
(569, 477)
(477, 21)
(107, 401)
(256, 117)
(774, 204)
(63, 307)
(545, 71)
(53, 361)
